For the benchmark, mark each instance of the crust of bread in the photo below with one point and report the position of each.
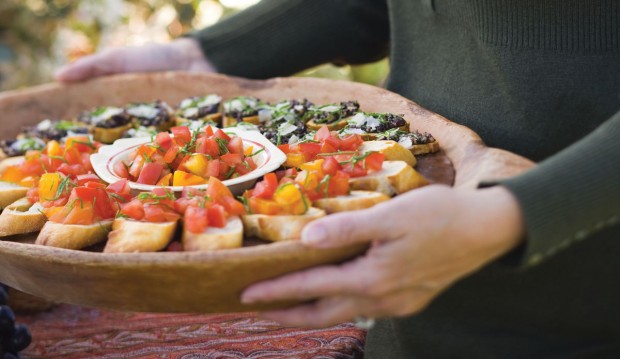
(395, 177)
(231, 121)
(279, 228)
(109, 135)
(10, 192)
(356, 200)
(21, 217)
(73, 236)
(391, 149)
(129, 236)
(334, 126)
(230, 236)
(423, 149)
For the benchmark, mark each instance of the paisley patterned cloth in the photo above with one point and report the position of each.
(71, 332)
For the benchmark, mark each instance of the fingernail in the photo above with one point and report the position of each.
(313, 235)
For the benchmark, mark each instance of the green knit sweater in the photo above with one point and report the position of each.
(540, 78)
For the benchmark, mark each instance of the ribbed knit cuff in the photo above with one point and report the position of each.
(278, 38)
(571, 195)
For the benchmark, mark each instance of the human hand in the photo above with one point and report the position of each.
(422, 242)
(181, 54)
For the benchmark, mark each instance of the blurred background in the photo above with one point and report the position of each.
(37, 36)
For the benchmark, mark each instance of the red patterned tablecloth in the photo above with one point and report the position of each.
(70, 332)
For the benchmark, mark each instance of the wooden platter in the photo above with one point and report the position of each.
(209, 281)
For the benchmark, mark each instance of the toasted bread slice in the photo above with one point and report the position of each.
(109, 135)
(395, 177)
(21, 217)
(391, 149)
(334, 126)
(371, 136)
(354, 201)
(423, 149)
(10, 192)
(73, 236)
(231, 121)
(129, 236)
(213, 238)
(280, 227)
(215, 117)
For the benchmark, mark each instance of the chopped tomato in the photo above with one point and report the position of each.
(164, 140)
(121, 189)
(196, 219)
(150, 173)
(181, 134)
(330, 166)
(197, 164)
(211, 147)
(232, 159)
(221, 135)
(76, 212)
(216, 215)
(133, 209)
(374, 161)
(48, 186)
(232, 206)
(165, 180)
(84, 178)
(213, 168)
(136, 166)
(159, 213)
(263, 206)
(182, 178)
(322, 134)
(120, 169)
(33, 195)
(350, 142)
(13, 174)
(338, 185)
(354, 170)
(285, 148)
(171, 154)
(310, 149)
(235, 145)
(294, 159)
(209, 131)
(71, 170)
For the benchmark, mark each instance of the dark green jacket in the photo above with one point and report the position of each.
(540, 78)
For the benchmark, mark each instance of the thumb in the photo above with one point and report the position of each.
(104, 63)
(345, 228)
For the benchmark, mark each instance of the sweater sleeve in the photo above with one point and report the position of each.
(571, 195)
(282, 37)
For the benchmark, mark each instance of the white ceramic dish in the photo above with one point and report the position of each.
(266, 161)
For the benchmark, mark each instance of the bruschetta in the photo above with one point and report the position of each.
(241, 108)
(395, 177)
(107, 123)
(354, 201)
(417, 143)
(21, 217)
(11, 192)
(147, 223)
(370, 125)
(392, 150)
(212, 238)
(334, 116)
(199, 108)
(157, 115)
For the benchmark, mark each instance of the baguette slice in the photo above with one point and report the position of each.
(231, 121)
(395, 177)
(21, 217)
(279, 227)
(423, 149)
(215, 117)
(10, 192)
(391, 149)
(73, 236)
(334, 126)
(354, 201)
(230, 236)
(109, 135)
(129, 236)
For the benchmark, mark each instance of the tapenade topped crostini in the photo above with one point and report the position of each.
(158, 115)
(242, 108)
(107, 123)
(205, 108)
(19, 146)
(370, 125)
(55, 130)
(334, 115)
(416, 142)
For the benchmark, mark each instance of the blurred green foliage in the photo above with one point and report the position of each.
(37, 36)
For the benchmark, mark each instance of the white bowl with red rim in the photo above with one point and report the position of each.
(267, 160)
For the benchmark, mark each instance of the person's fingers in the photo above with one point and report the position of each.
(101, 64)
(365, 276)
(333, 310)
(340, 229)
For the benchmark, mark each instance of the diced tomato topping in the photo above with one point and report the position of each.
(196, 219)
(133, 209)
(84, 178)
(330, 166)
(181, 134)
(150, 173)
(164, 140)
(285, 148)
(235, 145)
(221, 135)
(354, 170)
(267, 187)
(232, 159)
(209, 131)
(374, 161)
(350, 142)
(120, 169)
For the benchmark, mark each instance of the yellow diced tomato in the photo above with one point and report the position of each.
(53, 148)
(182, 178)
(294, 159)
(165, 181)
(197, 164)
(248, 150)
(48, 186)
(13, 174)
(313, 166)
(290, 197)
(30, 181)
